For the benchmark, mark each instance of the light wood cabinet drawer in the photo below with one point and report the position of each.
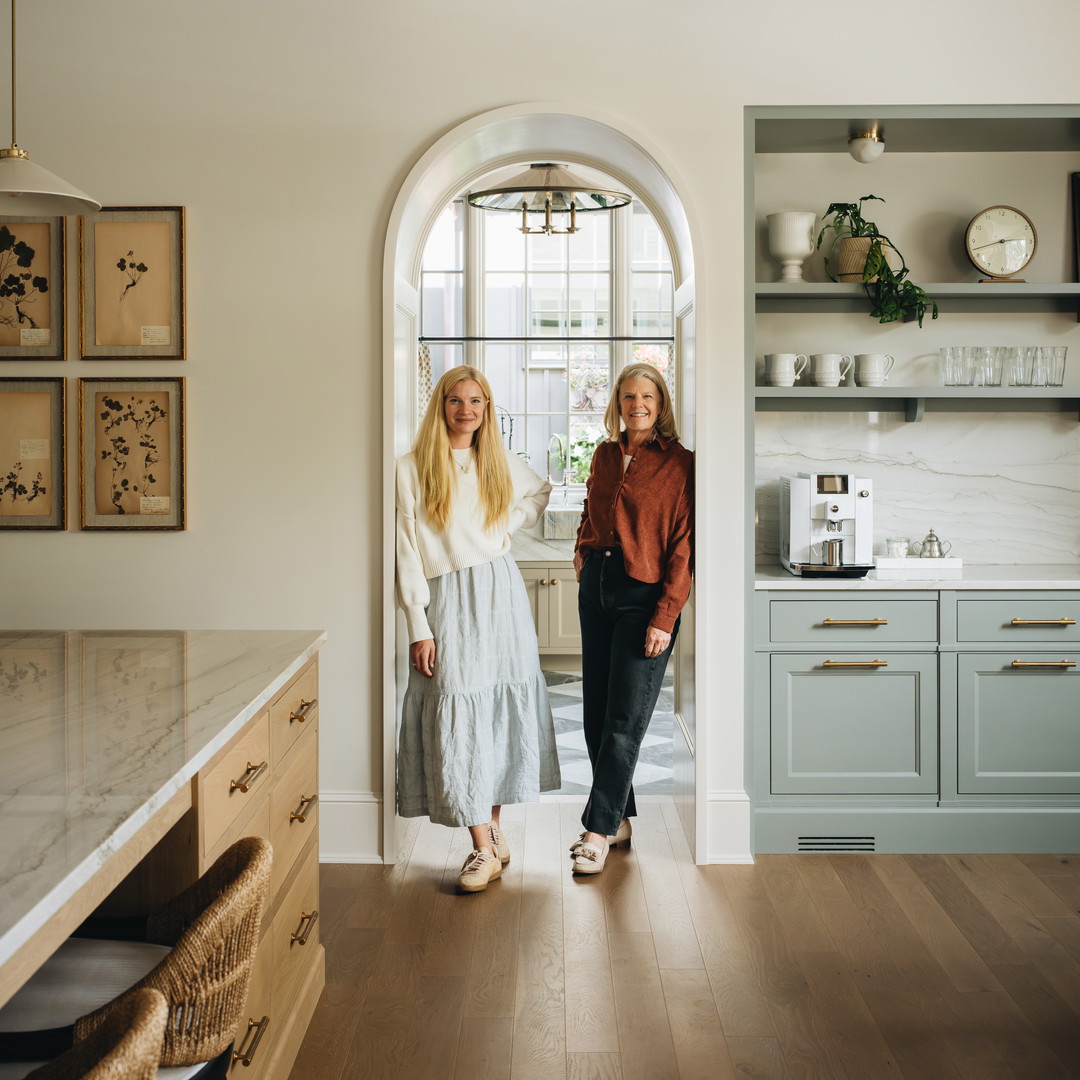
(294, 711)
(863, 620)
(294, 935)
(294, 809)
(235, 782)
(1020, 619)
(253, 1045)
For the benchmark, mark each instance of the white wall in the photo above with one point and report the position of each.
(286, 130)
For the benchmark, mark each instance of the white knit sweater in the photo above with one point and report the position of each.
(423, 552)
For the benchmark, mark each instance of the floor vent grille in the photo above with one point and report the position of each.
(837, 843)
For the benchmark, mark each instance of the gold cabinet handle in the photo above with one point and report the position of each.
(1044, 663)
(301, 935)
(856, 663)
(854, 622)
(247, 1055)
(554, 581)
(301, 714)
(1063, 621)
(251, 774)
(543, 581)
(301, 812)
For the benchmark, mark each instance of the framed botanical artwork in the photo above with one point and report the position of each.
(131, 453)
(32, 288)
(131, 283)
(32, 492)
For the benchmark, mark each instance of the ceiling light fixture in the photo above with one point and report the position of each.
(548, 189)
(866, 146)
(28, 190)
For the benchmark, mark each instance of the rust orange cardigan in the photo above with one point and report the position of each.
(648, 511)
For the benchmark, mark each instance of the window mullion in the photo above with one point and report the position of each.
(621, 290)
(473, 286)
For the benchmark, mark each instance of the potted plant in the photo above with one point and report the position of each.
(864, 254)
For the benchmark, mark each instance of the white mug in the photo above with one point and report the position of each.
(782, 369)
(872, 369)
(829, 369)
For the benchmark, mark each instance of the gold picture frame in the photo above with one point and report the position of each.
(131, 453)
(32, 288)
(33, 493)
(131, 283)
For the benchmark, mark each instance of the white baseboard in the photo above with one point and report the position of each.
(728, 827)
(350, 827)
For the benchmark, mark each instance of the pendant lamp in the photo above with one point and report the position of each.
(28, 190)
(548, 189)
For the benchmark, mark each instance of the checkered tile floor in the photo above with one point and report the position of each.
(654, 769)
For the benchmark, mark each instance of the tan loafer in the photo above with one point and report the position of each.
(499, 844)
(480, 868)
(590, 859)
(620, 839)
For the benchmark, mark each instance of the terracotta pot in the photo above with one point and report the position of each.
(851, 255)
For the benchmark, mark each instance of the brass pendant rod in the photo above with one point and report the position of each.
(13, 139)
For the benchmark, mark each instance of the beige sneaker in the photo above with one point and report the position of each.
(479, 868)
(499, 844)
(620, 839)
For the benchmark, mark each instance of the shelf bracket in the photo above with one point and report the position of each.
(914, 408)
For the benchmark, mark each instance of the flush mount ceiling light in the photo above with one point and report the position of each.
(28, 190)
(548, 189)
(866, 146)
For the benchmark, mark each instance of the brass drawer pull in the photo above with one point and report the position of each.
(543, 581)
(251, 774)
(1063, 621)
(554, 581)
(856, 663)
(309, 917)
(1044, 663)
(246, 1057)
(301, 812)
(854, 622)
(301, 714)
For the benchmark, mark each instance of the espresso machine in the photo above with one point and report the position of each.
(827, 525)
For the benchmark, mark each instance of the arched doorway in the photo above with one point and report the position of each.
(538, 131)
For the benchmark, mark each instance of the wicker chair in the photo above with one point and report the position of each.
(198, 953)
(125, 1046)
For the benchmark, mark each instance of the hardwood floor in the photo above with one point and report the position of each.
(853, 967)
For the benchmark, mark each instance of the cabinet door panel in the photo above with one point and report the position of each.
(854, 730)
(564, 629)
(537, 599)
(1018, 729)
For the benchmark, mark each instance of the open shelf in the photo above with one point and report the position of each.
(914, 400)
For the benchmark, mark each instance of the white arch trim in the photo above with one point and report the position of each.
(536, 131)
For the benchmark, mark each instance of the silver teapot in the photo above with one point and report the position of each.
(931, 547)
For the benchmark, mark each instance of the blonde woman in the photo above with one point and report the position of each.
(476, 729)
(634, 558)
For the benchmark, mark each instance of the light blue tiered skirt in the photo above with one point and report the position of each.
(479, 733)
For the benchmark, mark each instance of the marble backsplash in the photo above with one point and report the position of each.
(1002, 487)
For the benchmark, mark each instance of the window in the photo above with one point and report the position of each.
(549, 320)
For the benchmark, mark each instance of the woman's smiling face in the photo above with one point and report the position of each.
(463, 409)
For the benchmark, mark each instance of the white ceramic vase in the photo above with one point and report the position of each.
(791, 240)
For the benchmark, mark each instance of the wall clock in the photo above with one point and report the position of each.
(1000, 241)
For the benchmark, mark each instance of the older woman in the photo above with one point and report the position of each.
(476, 728)
(634, 561)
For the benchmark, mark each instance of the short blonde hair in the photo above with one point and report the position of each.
(434, 461)
(665, 420)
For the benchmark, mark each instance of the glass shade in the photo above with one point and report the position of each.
(540, 184)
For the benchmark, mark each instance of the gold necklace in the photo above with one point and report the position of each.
(464, 468)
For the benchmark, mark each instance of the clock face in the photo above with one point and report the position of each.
(1000, 241)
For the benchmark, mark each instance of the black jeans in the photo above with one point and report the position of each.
(620, 683)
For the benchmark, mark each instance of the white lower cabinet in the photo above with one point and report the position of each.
(553, 592)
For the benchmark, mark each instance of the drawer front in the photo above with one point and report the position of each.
(1018, 723)
(294, 809)
(856, 620)
(854, 724)
(235, 782)
(293, 711)
(294, 934)
(254, 1042)
(1018, 620)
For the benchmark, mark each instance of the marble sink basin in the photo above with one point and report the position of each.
(561, 522)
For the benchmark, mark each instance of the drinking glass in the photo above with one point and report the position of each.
(987, 362)
(1052, 364)
(951, 362)
(1018, 363)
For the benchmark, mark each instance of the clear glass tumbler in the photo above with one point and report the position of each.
(952, 359)
(987, 363)
(1018, 363)
(1052, 364)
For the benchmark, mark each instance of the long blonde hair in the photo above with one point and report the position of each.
(665, 417)
(435, 462)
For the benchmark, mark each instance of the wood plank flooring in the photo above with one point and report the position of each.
(839, 967)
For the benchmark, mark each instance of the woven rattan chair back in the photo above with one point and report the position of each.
(126, 1045)
(213, 928)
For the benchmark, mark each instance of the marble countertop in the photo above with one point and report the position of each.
(100, 730)
(971, 576)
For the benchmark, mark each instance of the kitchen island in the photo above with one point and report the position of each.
(118, 746)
